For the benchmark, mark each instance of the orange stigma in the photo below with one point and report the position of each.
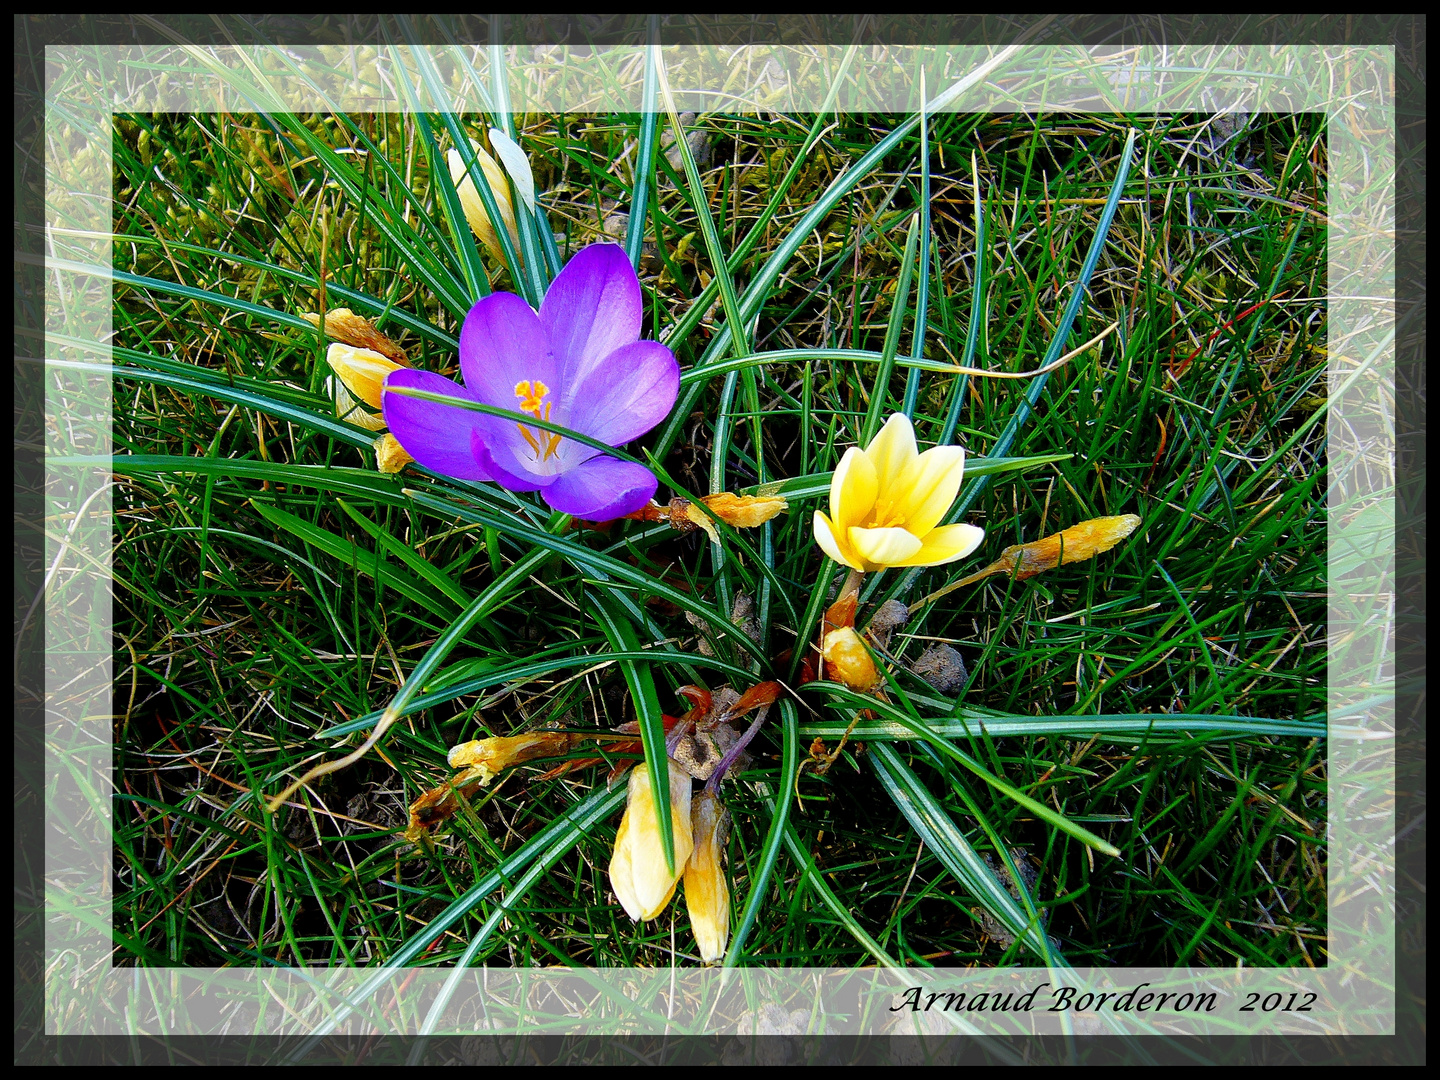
(532, 397)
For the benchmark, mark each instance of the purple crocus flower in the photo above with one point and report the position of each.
(579, 363)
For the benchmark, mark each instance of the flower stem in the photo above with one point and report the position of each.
(713, 784)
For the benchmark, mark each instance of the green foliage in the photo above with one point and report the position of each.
(277, 594)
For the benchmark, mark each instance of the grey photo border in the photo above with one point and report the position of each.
(1362, 310)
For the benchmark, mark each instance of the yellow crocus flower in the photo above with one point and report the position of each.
(637, 869)
(362, 371)
(707, 896)
(887, 502)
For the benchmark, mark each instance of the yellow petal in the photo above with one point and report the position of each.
(879, 548)
(362, 371)
(707, 896)
(927, 488)
(944, 545)
(829, 542)
(853, 489)
(622, 871)
(390, 456)
(847, 660)
(348, 410)
(474, 206)
(744, 511)
(892, 451)
(637, 867)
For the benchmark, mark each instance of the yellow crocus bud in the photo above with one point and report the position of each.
(707, 897)
(344, 325)
(848, 661)
(1075, 544)
(362, 371)
(474, 206)
(637, 869)
(347, 409)
(390, 456)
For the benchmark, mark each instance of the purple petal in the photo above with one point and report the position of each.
(591, 309)
(505, 472)
(627, 395)
(437, 436)
(502, 344)
(601, 489)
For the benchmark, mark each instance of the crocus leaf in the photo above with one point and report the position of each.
(369, 563)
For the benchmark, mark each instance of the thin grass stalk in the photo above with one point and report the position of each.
(779, 823)
(922, 290)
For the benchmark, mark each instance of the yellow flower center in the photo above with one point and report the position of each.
(885, 516)
(532, 397)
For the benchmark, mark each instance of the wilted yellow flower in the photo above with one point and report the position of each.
(741, 511)
(474, 206)
(362, 371)
(1075, 544)
(484, 758)
(637, 869)
(887, 501)
(390, 456)
(848, 661)
(342, 324)
(707, 897)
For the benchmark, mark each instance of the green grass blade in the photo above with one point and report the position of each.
(423, 568)
(586, 560)
(880, 393)
(641, 681)
(579, 819)
(371, 564)
(941, 835)
(644, 161)
(815, 880)
(924, 731)
(523, 672)
(977, 318)
(779, 824)
(822, 207)
(922, 291)
(325, 425)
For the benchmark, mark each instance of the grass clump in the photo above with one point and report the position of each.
(275, 586)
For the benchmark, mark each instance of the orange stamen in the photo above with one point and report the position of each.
(532, 400)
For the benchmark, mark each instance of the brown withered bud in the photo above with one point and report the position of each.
(680, 521)
(344, 325)
(942, 667)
